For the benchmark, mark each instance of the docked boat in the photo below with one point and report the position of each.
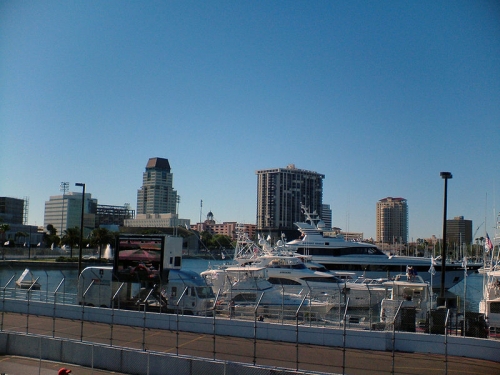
(410, 296)
(365, 259)
(297, 273)
(490, 301)
(243, 288)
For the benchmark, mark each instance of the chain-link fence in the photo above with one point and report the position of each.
(336, 356)
(222, 339)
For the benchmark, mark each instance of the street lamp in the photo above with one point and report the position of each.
(446, 176)
(81, 228)
(64, 188)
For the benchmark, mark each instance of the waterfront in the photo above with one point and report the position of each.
(51, 278)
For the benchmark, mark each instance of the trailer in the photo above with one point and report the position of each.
(146, 275)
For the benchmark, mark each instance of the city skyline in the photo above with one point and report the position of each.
(378, 97)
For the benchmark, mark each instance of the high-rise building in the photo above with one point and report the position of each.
(65, 211)
(157, 196)
(392, 220)
(458, 231)
(12, 210)
(280, 193)
(326, 215)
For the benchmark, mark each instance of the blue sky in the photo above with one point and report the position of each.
(379, 96)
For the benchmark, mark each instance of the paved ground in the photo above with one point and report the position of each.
(268, 353)
(12, 365)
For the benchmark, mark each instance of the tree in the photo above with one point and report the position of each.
(50, 237)
(71, 237)
(99, 237)
(3, 228)
(20, 235)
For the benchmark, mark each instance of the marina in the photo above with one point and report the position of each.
(63, 281)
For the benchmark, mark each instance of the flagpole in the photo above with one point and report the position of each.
(465, 288)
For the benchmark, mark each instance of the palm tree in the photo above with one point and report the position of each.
(20, 235)
(71, 237)
(99, 237)
(3, 228)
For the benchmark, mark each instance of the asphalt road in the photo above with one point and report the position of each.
(269, 353)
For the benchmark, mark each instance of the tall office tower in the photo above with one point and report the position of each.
(392, 220)
(157, 196)
(65, 211)
(326, 216)
(458, 231)
(280, 193)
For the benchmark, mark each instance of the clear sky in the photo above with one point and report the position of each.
(379, 96)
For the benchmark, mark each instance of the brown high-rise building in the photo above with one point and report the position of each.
(458, 231)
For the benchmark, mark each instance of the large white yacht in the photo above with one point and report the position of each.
(298, 274)
(365, 259)
(246, 286)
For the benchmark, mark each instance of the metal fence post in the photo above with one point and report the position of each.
(394, 335)
(297, 333)
(54, 310)
(3, 300)
(28, 293)
(177, 320)
(213, 324)
(255, 329)
(113, 312)
(83, 308)
(145, 301)
(446, 341)
(344, 336)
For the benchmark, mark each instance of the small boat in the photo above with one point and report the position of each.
(411, 294)
(31, 283)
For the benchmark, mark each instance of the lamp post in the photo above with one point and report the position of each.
(446, 176)
(81, 228)
(64, 188)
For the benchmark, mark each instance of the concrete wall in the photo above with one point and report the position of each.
(122, 360)
(357, 339)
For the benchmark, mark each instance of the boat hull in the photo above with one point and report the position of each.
(387, 267)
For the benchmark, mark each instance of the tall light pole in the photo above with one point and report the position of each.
(81, 228)
(64, 188)
(446, 176)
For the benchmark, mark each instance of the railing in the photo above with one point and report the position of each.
(341, 315)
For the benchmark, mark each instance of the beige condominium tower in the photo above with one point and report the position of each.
(392, 220)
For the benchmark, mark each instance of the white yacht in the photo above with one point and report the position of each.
(407, 291)
(365, 259)
(243, 287)
(298, 274)
(490, 302)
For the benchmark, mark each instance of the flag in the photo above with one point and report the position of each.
(487, 243)
(464, 265)
(432, 271)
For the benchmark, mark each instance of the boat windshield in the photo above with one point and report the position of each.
(322, 280)
(205, 292)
